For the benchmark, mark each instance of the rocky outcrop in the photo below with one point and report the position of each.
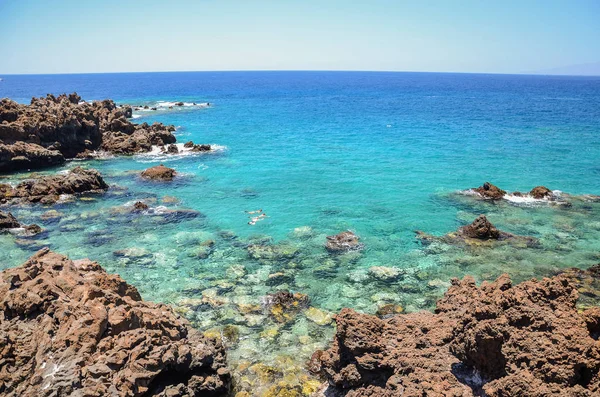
(47, 189)
(25, 156)
(52, 129)
(480, 232)
(541, 192)
(495, 340)
(70, 329)
(490, 192)
(343, 242)
(159, 173)
(8, 222)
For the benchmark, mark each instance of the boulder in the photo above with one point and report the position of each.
(159, 173)
(540, 192)
(8, 221)
(140, 206)
(47, 189)
(490, 192)
(70, 329)
(343, 242)
(495, 340)
(25, 156)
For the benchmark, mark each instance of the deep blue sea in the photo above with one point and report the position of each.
(381, 154)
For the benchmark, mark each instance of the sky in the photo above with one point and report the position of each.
(77, 36)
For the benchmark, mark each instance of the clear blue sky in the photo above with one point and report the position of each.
(72, 36)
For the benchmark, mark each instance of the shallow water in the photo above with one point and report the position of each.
(382, 154)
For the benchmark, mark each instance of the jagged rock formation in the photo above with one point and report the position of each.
(52, 129)
(480, 232)
(498, 339)
(8, 222)
(47, 189)
(490, 192)
(67, 328)
(159, 173)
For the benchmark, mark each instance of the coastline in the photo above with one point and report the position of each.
(282, 261)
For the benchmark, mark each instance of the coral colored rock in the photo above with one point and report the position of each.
(343, 242)
(47, 189)
(159, 173)
(495, 340)
(70, 329)
(490, 192)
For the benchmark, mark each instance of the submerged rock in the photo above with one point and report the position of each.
(480, 232)
(159, 173)
(343, 242)
(495, 340)
(283, 306)
(48, 189)
(70, 328)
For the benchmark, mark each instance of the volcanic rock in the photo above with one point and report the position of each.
(47, 189)
(22, 155)
(540, 192)
(490, 192)
(70, 329)
(495, 340)
(53, 128)
(343, 242)
(480, 232)
(159, 173)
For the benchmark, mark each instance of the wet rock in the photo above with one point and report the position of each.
(317, 316)
(541, 192)
(179, 104)
(490, 192)
(159, 173)
(272, 252)
(47, 189)
(201, 148)
(188, 145)
(172, 149)
(140, 206)
(479, 233)
(70, 328)
(389, 310)
(385, 273)
(8, 221)
(343, 242)
(25, 156)
(52, 129)
(494, 340)
(283, 306)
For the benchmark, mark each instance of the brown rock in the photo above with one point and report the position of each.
(53, 128)
(188, 144)
(490, 192)
(172, 149)
(498, 339)
(481, 229)
(540, 192)
(8, 221)
(159, 173)
(69, 328)
(343, 242)
(139, 206)
(47, 189)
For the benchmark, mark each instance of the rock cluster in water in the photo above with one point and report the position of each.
(48, 189)
(52, 129)
(495, 340)
(481, 231)
(69, 328)
(343, 242)
(9, 222)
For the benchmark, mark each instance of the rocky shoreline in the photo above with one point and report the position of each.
(69, 328)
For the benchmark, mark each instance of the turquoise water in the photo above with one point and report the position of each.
(382, 154)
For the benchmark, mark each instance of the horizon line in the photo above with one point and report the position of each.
(302, 70)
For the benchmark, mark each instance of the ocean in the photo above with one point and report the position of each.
(381, 154)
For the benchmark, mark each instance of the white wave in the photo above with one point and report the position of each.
(555, 198)
(136, 116)
(157, 153)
